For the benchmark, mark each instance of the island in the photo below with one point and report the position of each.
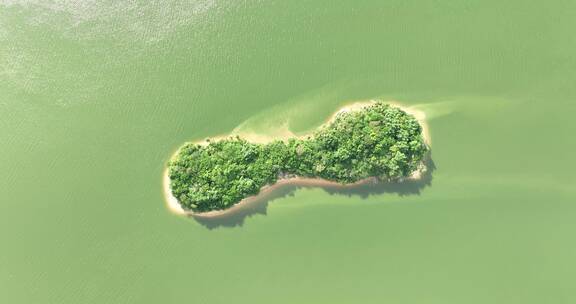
(374, 140)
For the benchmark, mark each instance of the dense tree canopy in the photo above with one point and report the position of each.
(377, 141)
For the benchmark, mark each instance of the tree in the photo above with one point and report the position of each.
(376, 141)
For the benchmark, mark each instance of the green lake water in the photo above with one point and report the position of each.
(95, 96)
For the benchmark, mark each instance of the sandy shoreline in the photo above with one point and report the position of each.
(174, 206)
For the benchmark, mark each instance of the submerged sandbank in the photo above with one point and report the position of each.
(284, 132)
(174, 206)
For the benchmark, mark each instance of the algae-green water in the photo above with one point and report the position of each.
(96, 95)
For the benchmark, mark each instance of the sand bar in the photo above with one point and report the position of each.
(174, 206)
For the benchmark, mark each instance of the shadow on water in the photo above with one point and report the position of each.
(364, 190)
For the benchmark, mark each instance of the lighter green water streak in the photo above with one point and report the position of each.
(94, 98)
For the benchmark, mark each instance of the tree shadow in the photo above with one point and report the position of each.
(362, 190)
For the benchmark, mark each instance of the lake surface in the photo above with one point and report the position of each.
(96, 96)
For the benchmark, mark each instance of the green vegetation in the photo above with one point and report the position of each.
(377, 141)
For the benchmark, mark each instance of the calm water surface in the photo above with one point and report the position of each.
(96, 95)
